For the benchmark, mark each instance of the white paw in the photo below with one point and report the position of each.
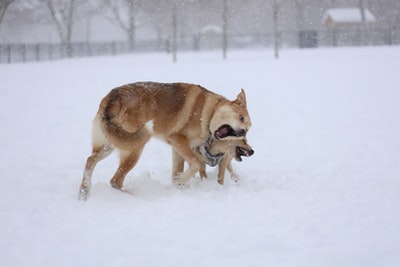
(124, 190)
(84, 193)
(180, 181)
(235, 177)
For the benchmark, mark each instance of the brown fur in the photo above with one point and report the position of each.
(229, 149)
(181, 114)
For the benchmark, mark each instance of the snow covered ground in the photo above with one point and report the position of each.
(323, 188)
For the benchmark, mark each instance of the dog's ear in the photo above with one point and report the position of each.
(241, 99)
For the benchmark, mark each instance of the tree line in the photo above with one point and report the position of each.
(174, 18)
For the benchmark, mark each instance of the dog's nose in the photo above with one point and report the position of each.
(251, 152)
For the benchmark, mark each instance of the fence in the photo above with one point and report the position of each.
(10, 53)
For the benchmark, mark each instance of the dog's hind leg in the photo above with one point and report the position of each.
(98, 153)
(178, 163)
(129, 158)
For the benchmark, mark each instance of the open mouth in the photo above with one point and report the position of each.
(226, 130)
(241, 151)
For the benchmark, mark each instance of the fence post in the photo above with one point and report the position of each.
(50, 47)
(113, 49)
(23, 52)
(8, 53)
(61, 50)
(37, 52)
(88, 49)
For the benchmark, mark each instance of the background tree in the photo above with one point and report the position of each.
(275, 15)
(62, 13)
(300, 6)
(174, 31)
(225, 18)
(4, 4)
(126, 15)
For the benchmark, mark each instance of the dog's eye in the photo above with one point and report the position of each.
(241, 118)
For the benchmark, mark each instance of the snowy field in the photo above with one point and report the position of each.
(322, 189)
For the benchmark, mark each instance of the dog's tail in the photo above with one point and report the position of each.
(111, 119)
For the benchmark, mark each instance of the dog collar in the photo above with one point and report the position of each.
(211, 160)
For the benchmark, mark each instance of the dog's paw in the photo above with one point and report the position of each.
(130, 191)
(84, 193)
(203, 175)
(181, 186)
(180, 183)
(235, 177)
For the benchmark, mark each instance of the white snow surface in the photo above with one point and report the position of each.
(322, 189)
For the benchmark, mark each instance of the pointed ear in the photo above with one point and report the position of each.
(241, 99)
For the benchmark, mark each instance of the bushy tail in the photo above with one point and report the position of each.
(110, 114)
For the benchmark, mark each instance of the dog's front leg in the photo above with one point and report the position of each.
(181, 146)
(234, 175)
(221, 170)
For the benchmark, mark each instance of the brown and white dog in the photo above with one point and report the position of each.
(181, 114)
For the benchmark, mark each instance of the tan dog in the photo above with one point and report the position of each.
(221, 152)
(231, 149)
(181, 114)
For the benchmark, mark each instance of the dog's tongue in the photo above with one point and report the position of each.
(222, 132)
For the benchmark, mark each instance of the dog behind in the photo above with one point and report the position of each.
(227, 150)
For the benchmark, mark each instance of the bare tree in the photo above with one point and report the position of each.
(174, 32)
(167, 18)
(225, 10)
(275, 10)
(300, 5)
(87, 11)
(62, 13)
(125, 14)
(4, 4)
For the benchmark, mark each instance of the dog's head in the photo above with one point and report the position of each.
(231, 119)
(235, 148)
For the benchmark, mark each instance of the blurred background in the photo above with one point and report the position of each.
(36, 30)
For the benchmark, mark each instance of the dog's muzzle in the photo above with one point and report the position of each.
(243, 152)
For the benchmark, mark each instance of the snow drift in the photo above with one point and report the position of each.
(323, 188)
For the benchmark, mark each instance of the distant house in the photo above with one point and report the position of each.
(347, 16)
(348, 26)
